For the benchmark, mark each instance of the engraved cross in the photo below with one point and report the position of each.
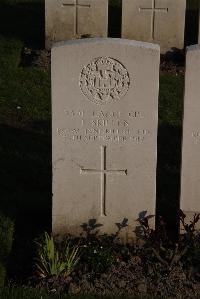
(153, 9)
(76, 5)
(104, 172)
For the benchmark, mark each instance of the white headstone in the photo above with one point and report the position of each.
(190, 175)
(157, 21)
(105, 114)
(71, 19)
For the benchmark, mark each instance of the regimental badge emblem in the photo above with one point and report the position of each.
(104, 80)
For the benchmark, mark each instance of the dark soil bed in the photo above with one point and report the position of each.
(129, 278)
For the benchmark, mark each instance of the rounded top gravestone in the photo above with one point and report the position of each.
(104, 128)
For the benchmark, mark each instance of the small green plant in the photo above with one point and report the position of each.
(54, 262)
(70, 257)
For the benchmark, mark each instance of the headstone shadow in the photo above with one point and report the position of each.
(25, 176)
(168, 175)
(115, 18)
(24, 21)
(191, 24)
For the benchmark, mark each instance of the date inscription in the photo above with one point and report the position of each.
(103, 126)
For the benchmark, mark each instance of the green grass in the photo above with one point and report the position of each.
(170, 99)
(24, 92)
(193, 4)
(25, 125)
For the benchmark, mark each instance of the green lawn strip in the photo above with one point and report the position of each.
(115, 3)
(171, 99)
(24, 92)
(193, 4)
(25, 125)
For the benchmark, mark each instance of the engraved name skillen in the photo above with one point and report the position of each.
(104, 80)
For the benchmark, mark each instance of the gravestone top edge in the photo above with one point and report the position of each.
(121, 41)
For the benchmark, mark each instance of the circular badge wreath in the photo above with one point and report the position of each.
(104, 80)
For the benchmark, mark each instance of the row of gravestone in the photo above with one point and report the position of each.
(162, 21)
(104, 128)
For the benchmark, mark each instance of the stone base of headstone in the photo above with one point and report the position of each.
(130, 234)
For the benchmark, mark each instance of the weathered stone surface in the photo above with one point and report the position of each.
(104, 106)
(71, 19)
(190, 175)
(158, 21)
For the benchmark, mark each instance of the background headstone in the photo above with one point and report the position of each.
(159, 21)
(105, 114)
(190, 176)
(71, 19)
